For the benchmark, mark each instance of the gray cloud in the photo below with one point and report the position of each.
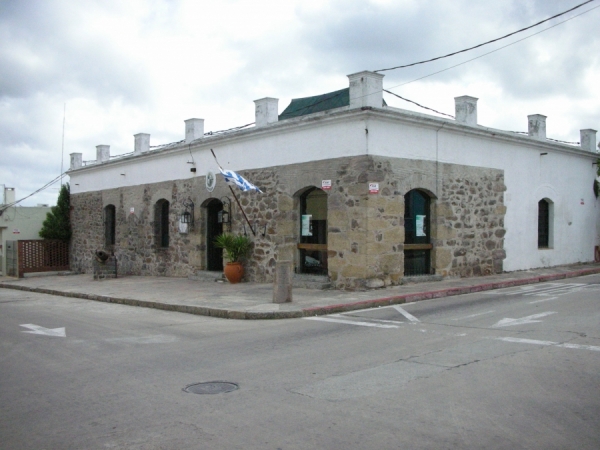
(46, 51)
(380, 37)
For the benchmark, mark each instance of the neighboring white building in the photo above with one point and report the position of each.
(18, 222)
(396, 192)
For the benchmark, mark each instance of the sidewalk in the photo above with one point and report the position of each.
(254, 301)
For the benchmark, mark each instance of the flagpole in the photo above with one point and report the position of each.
(234, 196)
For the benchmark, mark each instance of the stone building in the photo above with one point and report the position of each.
(352, 189)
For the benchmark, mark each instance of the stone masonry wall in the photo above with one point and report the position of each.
(365, 231)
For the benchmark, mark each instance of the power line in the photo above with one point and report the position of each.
(46, 186)
(493, 51)
(420, 106)
(488, 42)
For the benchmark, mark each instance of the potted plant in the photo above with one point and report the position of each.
(237, 247)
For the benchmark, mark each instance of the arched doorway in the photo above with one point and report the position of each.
(417, 237)
(313, 232)
(214, 255)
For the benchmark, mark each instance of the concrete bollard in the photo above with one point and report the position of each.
(282, 285)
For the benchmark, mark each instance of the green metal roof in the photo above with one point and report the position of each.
(309, 105)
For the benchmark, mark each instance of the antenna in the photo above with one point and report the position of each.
(62, 156)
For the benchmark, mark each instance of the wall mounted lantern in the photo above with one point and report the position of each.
(224, 216)
(186, 220)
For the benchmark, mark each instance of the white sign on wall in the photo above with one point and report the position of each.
(421, 226)
(326, 185)
(306, 228)
(373, 188)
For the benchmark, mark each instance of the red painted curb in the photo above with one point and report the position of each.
(418, 296)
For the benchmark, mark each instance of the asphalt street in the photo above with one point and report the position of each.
(511, 368)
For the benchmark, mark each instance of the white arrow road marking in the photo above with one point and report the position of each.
(556, 344)
(543, 300)
(508, 322)
(36, 329)
(351, 322)
(351, 316)
(475, 315)
(406, 314)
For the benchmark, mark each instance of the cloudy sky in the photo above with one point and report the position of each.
(125, 67)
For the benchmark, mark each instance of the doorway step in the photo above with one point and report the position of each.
(421, 278)
(207, 275)
(309, 281)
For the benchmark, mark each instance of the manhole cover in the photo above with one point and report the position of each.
(211, 387)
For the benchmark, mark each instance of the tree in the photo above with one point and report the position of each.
(58, 222)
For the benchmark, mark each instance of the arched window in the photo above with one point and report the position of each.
(545, 228)
(161, 223)
(109, 225)
(417, 238)
(313, 231)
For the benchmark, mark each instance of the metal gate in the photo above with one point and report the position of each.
(11, 258)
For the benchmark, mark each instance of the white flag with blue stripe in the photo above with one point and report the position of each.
(232, 177)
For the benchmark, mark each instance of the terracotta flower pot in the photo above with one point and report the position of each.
(234, 271)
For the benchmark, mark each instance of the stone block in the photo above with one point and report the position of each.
(338, 242)
(391, 263)
(338, 219)
(378, 225)
(287, 227)
(285, 203)
(442, 258)
(445, 232)
(358, 190)
(443, 210)
(375, 283)
(352, 271)
(377, 248)
(394, 235)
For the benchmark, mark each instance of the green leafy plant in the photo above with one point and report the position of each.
(57, 224)
(236, 246)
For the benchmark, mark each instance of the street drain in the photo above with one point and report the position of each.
(211, 387)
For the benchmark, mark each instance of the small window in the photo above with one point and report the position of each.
(161, 223)
(109, 225)
(544, 224)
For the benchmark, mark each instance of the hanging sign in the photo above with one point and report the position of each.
(211, 181)
(326, 185)
(420, 225)
(306, 225)
(373, 188)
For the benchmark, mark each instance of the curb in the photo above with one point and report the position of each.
(408, 298)
(309, 312)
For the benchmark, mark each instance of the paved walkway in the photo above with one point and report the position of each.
(254, 301)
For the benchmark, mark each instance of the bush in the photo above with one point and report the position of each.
(58, 221)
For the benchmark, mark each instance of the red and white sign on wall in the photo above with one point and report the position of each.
(326, 185)
(373, 188)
